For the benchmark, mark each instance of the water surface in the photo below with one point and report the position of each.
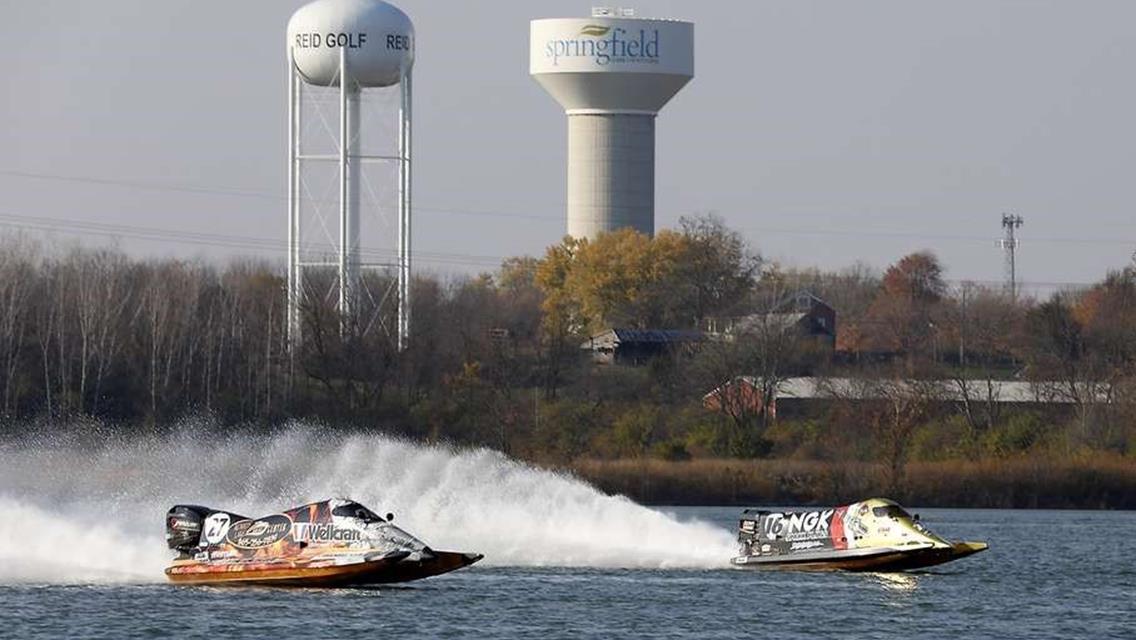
(1048, 574)
(82, 552)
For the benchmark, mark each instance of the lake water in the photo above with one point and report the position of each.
(81, 552)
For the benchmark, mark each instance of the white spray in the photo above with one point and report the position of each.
(73, 511)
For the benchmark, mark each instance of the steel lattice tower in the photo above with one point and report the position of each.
(1009, 244)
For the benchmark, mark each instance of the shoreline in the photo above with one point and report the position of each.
(1098, 483)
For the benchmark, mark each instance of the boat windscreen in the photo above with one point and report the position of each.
(893, 510)
(356, 510)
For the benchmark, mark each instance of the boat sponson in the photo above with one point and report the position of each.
(438, 563)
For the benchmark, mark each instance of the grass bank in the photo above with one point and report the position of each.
(1036, 482)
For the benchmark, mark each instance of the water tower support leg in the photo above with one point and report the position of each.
(404, 201)
(293, 293)
(346, 213)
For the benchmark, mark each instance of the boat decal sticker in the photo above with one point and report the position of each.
(323, 532)
(216, 526)
(255, 534)
(837, 534)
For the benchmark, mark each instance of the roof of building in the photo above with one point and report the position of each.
(797, 309)
(1010, 391)
(801, 300)
(782, 321)
(656, 336)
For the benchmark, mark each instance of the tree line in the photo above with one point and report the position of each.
(495, 358)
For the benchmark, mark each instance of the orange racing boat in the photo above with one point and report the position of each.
(327, 543)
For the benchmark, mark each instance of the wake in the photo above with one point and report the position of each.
(91, 510)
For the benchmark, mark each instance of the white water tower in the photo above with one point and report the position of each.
(612, 73)
(352, 46)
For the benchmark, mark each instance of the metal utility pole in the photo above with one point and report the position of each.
(964, 293)
(1009, 243)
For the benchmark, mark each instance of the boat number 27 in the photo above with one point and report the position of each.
(216, 526)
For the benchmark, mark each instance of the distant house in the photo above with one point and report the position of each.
(801, 311)
(638, 346)
(798, 394)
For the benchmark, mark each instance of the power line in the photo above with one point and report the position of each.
(247, 193)
(78, 227)
(149, 186)
(559, 218)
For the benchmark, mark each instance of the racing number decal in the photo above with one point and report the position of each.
(216, 526)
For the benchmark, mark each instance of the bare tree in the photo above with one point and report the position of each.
(751, 363)
(17, 280)
(984, 323)
(46, 317)
(894, 407)
(103, 295)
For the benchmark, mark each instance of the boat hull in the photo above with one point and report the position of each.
(387, 570)
(441, 562)
(881, 560)
(282, 574)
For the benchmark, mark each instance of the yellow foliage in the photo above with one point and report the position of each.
(628, 279)
(619, 278)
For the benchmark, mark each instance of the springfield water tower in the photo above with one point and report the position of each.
(612, 73)
(337, 51)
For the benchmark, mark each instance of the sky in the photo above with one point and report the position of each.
(826, 132)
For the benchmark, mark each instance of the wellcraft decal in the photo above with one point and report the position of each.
(324, 532)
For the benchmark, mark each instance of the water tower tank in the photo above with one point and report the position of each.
(612, 74)
(378, 38)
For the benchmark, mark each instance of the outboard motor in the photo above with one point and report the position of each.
(183, 526)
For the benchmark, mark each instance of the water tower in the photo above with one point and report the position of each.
(611, 73)
(344, 48)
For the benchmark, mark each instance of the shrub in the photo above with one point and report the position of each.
(1017, 434)
(634, 430)
(672, 450)
(942, 439)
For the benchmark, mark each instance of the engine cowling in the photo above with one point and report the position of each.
(183, 526)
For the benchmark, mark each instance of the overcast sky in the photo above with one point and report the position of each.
(827, 132)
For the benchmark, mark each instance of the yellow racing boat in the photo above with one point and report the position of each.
(872, 535)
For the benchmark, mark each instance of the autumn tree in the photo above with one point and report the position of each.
(1108, 313)
(620, 279)
(1080, 348)
(520, 297)
(627, 279)
(714, 271)
(562, 323)
(901, 317)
